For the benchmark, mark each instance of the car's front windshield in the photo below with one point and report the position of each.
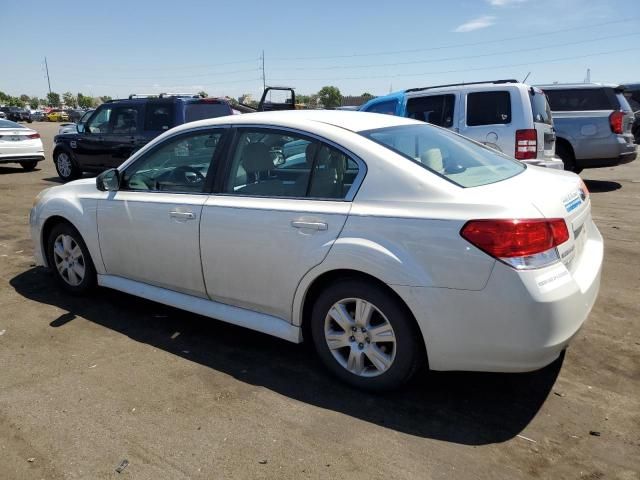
(451, 156)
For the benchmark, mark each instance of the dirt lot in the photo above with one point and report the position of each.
(87, 383)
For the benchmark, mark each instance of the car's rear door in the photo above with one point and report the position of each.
(266, 229)
(149, 228)
(124, 136)
(543, 123)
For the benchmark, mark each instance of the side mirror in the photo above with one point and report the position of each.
(108, 181)
(80, 127)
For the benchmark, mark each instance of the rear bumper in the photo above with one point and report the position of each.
(521, 320)
(554, 163)
(628, 154)
(26, 157)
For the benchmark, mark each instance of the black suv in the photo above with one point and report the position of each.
(17, 114)
(120, 127)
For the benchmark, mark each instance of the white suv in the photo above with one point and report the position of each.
(509, 116)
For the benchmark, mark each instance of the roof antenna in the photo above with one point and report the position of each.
(525, 78)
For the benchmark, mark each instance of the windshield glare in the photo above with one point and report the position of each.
(452, 157)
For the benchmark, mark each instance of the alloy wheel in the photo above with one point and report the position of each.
(69, 260)
(63, 161)
(360, 337)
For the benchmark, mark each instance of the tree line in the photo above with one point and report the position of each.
(53, 99)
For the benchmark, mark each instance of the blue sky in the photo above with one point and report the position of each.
(117, 47)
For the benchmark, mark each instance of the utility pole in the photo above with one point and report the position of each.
(47, 69)
(264, 80)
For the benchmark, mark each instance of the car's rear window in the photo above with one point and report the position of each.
(540, 107)
(453, 157)
(581, 99)
(202, 110)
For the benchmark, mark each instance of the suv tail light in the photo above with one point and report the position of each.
(519, 243)
(34, 135)
(526, 144)
(616, 121)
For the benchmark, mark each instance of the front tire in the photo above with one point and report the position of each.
(69, 260)
(29, 165)
(66, 167)
(365, 336)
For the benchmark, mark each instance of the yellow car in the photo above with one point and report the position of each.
(57, 116)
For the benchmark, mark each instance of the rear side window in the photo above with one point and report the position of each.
(205, 109)
(435, 109)
(388, 107)
(158, 117)
(446, 154)
(488, 108)
(580, 99)
(540, 107)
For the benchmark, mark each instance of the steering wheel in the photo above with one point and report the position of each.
(181, 174)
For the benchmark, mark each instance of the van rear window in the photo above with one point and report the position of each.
(200, 111)
(580, 99)
(540, 107)
(488, 108)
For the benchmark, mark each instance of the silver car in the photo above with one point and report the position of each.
(385, 241)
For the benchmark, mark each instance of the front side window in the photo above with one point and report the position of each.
(180, 164)
(125, 121)
(488, 108)
(99, 123)
(388, 107)
(282, 164)
(446, 154)
(435, 109)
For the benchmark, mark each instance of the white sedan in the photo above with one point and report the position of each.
(387, 242)
(19, 144)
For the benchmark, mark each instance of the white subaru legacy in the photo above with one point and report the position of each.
(389, 243)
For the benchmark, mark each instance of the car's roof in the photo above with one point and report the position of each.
(348, 120)
(563, 86)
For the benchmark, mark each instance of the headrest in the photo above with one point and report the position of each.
(318, 152)
(432, 159)
(256, 158)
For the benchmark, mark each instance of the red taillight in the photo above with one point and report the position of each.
(515, 238)
(526, 144)
(616, 121)
(34, 135)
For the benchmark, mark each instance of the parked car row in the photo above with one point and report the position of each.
(586, 125)
(16, 114)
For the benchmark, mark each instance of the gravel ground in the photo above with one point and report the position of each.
(86, 383)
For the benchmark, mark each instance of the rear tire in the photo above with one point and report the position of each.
(69, 260)
(65, 166)
(28, 166)
(568, 158)
(375, 343)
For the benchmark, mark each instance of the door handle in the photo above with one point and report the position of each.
(182, 215)
(309, 225)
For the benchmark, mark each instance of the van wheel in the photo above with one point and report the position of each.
(567, 157)
(69, 259)
(365, 336)
(66, 168)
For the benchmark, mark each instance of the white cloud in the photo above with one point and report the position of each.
(477, 23)
(504, 3)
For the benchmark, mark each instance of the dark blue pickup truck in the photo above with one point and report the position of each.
(120, 127)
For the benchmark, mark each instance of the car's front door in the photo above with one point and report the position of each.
(89, 148)
(278, 214)
(149, 228)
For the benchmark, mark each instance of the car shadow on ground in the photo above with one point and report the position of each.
(5, 170)
(465, 408)
(602, 186)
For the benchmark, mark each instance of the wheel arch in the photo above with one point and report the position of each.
(302, 314)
